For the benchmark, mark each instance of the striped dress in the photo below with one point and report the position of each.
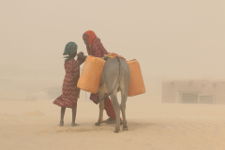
(70, 91)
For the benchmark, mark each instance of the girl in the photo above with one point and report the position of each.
(70, 91)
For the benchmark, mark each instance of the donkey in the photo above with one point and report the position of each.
(115, 78)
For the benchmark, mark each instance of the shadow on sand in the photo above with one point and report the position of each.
(87, 127)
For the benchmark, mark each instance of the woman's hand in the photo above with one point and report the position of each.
(81, 57)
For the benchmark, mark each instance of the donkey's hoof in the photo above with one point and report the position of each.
(98, 123)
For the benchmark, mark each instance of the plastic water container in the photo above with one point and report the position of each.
(136, 85)
(91, 74)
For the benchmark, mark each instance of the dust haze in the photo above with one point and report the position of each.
(174, 39)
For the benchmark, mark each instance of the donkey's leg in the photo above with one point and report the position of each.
(101, 108)
(100, 116)
(117, 111)
(124, 86)
(123, 109)
(63, 109)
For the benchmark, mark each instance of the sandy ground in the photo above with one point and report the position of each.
(26, 125)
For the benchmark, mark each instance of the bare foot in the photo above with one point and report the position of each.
(61, 123)
(73, 124)
(109, 121)
(98, 123)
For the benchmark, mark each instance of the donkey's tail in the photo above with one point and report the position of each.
(119, 62)
(118, 78)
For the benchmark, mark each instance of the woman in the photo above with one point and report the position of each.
(95, 48)
(70, 92)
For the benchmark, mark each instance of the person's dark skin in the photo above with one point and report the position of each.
(63, 110)
(74, 112)
(80, 59)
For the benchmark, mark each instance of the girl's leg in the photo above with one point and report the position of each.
(63, 109)
(74, 113)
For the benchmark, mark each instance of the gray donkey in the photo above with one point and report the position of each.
(115, 78)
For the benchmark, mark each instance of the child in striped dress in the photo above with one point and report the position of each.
(70, 91)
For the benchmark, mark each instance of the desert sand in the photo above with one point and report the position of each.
(171, 39)
(31, 125)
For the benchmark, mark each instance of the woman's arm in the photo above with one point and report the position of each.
(81, 57)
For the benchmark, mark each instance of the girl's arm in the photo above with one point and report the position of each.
(81, 57)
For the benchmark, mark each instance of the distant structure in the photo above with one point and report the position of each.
(193, 91)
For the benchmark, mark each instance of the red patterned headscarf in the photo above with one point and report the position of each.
(91, 36)
(94, 45)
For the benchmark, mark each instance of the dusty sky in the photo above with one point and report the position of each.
(171, 39)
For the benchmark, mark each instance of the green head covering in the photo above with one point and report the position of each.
(70, 50)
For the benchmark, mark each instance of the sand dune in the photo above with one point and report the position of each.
(33, 125)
